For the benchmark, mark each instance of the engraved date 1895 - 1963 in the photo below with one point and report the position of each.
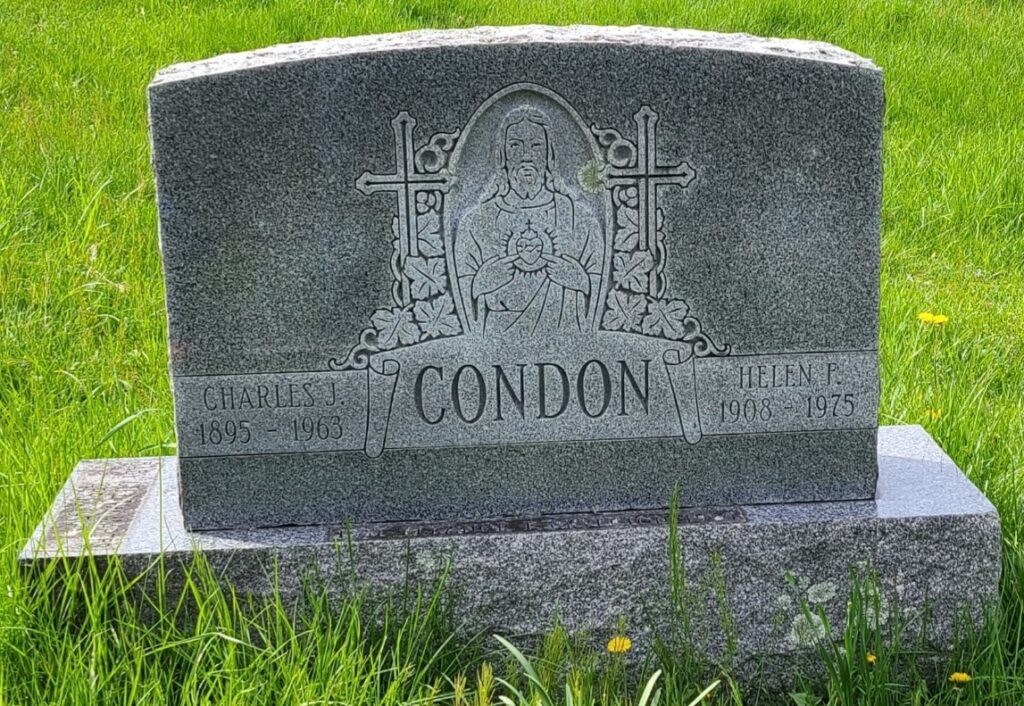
(239, 432)
(270, 413)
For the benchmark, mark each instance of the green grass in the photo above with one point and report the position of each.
(83, 367)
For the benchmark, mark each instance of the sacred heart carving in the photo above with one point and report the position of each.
(529, 248)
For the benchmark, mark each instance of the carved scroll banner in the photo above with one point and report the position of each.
(613, 388)
(381, 378)
(679, 366)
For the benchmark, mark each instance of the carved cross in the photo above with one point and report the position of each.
(405, 183)
(649, 176)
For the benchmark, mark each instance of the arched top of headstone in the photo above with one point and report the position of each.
(637, 35)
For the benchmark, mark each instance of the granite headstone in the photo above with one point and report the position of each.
(456, 275)
(475, 303)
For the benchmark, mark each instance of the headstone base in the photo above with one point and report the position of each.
(931, 538)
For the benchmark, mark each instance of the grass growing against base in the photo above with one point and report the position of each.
(83, 367)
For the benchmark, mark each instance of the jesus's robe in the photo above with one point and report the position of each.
(532, 302)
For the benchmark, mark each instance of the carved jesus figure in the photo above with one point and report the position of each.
(529, 255)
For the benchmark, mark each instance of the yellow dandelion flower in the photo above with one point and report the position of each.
(959, 678)
(926, 317)
(933, 414)
(940, 319)
(619, 644)
(871, 658)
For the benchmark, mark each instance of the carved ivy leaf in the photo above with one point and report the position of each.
(624, 311)
(395, 326)
(437, 317)
(630, 270)
(428, 231)
(427, 275)
(666, 318)
(627, 231)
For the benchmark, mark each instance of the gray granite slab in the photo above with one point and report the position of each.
(511, 271)
(932, 538)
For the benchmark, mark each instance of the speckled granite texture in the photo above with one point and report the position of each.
(452, 274)
(932, 537)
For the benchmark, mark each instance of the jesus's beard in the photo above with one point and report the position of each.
(526, 180)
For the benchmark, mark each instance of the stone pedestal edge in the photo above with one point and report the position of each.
(930, 537)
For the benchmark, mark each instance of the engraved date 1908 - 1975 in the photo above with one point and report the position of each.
(753, 409)
(796, 392)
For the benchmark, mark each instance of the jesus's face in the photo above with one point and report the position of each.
(526, 155)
